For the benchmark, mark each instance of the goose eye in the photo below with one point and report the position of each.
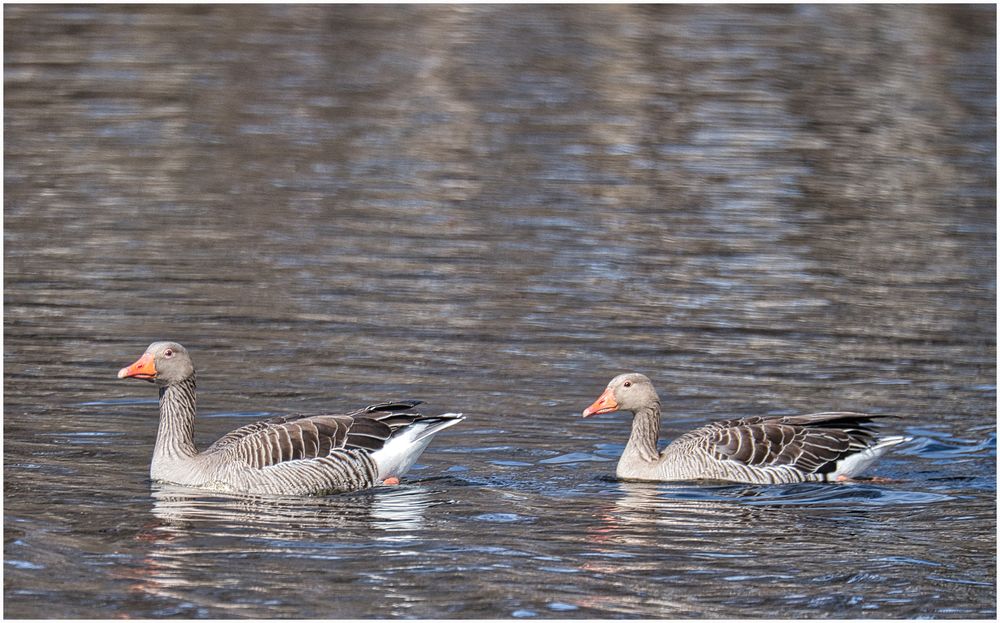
(627, 384)
(168, 353)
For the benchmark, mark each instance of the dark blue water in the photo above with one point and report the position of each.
(767, 210)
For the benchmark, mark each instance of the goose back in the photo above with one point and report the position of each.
(771, 449)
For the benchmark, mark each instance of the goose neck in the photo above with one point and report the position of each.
(175, 437)
(645, 433)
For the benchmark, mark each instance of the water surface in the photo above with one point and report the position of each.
(768, 210)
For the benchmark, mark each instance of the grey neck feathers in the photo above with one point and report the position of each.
(175, 437)
(645, 433)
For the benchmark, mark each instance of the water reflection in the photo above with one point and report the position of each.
(771, 538)
(278, 537)
(382, 509)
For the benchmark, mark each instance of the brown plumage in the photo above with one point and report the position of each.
(308, 436)
(810, 443)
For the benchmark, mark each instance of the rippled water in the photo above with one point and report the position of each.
(496, 209)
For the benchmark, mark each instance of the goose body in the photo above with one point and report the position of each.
(817, 447)
(288, 455)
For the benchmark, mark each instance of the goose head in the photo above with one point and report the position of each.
(625, 392)
(163, 363)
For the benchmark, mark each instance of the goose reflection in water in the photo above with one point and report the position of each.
(278, 536)
(723, 537)
(386, 508)
(746, 513)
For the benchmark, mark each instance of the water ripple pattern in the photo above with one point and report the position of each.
(495, 209)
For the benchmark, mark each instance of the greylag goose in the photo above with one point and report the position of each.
(289, 454)
(760, 449)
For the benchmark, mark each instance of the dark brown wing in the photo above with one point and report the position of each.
(255, 427)
(249, 429)
(300, 436)
(808, 443)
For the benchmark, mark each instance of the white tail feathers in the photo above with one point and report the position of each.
(857, 463)
(401, 451)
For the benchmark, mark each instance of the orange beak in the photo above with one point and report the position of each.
(605, 403)
(144, 368)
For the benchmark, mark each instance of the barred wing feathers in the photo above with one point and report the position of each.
(812, 444)
(301, 436)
